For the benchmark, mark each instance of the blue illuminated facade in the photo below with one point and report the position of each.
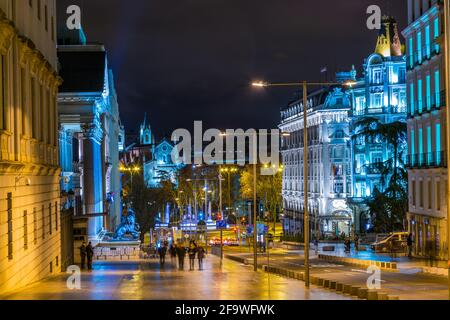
(380, 94)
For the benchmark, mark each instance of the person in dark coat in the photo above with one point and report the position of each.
(162, 251)
(200, 255)
(90, 255)
(83, 255)
(356, 243)
(409, 242)
(181, 253)
(192, 252)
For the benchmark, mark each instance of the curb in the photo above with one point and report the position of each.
(386, 266)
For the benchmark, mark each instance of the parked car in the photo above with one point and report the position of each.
(394, 242)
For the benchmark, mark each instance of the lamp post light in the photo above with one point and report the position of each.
(304, 85)
(132, 170)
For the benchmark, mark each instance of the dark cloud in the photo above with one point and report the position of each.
(186, 60)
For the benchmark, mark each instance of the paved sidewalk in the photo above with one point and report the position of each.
(145, 280)
(408, 283)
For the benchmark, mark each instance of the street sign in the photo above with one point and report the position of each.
(221, 224)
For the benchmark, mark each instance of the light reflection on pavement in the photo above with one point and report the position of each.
(145, 280)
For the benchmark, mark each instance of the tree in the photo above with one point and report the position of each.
(268, 189)
(388, 204)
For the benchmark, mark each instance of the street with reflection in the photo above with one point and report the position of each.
(146, 280)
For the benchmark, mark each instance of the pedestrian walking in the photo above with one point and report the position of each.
(192, 252)
(410, 242)
(162, 251)
(348, 244)
(200, 255)
(356, 243)
(181, 253)
(89, 255)
(173, 252)
(83, 255)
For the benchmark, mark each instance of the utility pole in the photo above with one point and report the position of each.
(305, 180)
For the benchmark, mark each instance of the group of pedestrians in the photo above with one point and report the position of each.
(86, 252)
(193, 251)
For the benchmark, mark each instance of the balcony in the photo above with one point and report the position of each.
(431, 103)
(380, 110)
(427, 160)
(425, 54)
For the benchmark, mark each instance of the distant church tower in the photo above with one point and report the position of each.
(146, 137)
(388, 43)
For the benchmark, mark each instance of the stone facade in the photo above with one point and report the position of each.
(427, 159)
(29, 167)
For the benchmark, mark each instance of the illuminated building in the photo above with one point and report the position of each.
(427, 162)
(380, 94)
(89, 140)
(329, 163)
(29, 173)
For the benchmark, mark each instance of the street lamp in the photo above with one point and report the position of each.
(304, 85)
(131, 170)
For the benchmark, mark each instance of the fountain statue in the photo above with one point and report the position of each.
(128, 228)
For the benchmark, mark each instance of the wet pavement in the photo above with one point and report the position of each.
(408, 283)
(145, 280)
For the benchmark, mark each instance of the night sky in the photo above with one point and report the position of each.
(186, 60)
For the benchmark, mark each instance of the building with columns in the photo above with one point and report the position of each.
(380, 94)
(330, 180)
(89, 140)
(427, 159)
(30, 230)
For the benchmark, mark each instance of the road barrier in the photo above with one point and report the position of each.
(338, 287)
(386, 266)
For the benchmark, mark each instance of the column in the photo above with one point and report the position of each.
(92, 176)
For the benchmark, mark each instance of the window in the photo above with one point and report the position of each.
(413, 146)
(33, 109)
(419, 95)
(438, 195)
(10, 225)
(39, 9)
(437, 87)
(3, 86)
(46, 17)
(436, 34)
(56, 216)
(411, 102)
(50, 218)
(420, 146)
(438, 144)
(376, 77)
(430, 195)
(429, 146)
(428, 41)
(376, 102)
(428, 85)
(421, 194)
(43, 222)
(411, 52)
(376, 157)
(419, 47)
(35, 227)
(25, 230)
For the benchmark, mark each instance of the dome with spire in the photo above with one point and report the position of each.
(388, 42)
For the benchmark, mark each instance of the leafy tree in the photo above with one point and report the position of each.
(268, 189)
(388, 204)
